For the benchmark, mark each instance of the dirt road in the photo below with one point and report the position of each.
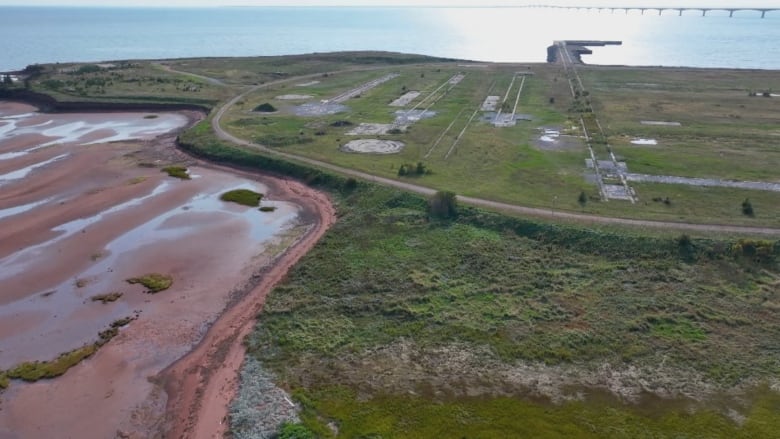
(201, 385)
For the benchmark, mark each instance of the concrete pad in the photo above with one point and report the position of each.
(405, 99)
(373, 146)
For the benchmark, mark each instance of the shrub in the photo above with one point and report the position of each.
(88, 68)
(294, 431)
(747, 208)
(268, 209)
(443, 205)
(244, 197)
(350, 184)
(265, 108)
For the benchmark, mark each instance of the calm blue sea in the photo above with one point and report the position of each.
(42, 35)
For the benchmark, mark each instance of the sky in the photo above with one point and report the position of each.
(483, 3)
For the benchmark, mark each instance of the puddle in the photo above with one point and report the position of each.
(90, 129)
(188, 220)
(11, 211)
(17, 262)
(660, 123)
(24, 172)
(644, 142)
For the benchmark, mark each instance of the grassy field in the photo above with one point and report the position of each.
(126, 81)
(486, 325)
(724, 134)
(395, 326)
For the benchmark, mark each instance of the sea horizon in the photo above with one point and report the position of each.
(497, 33)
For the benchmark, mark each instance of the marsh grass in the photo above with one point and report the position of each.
(36, 370)
(408, 416)
(245, 197)
(154, 282)
(107, 298)
(179, 172)
(527, 292)
(32, 371)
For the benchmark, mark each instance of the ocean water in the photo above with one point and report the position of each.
(46, 34)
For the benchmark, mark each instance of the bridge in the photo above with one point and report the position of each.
(660, 9)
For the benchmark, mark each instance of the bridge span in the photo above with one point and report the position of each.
(660, 9)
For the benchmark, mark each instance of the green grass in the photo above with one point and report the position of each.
(106, 298)
(36, 370)
(179, 172)
(506, 164)
(153, 282)
(405, 416)
(506, 292)
(32, 371)
(245, 197)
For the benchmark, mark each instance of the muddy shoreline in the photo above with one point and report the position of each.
(177, 330)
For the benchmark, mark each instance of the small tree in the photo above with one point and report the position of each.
(582, 199)
(747, 207)
(443, 205)
(7, 80)
(685, 246)
(420, 170)
(402, 171)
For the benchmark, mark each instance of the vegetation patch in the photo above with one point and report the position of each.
(151, 116)
(113, 330)
(245, 197)
(409, 416)
(179, 172)
(279, 140)
(36, 370)
(154, 282)
(508, 291)
(136, 180)
(268, 209)
(107, 298)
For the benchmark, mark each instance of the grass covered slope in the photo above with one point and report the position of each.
(401, 327)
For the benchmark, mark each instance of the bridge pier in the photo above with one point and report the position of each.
(763, 14)
(680, 14)
(731, 13)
